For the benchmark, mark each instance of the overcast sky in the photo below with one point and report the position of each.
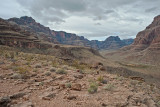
(93, 19)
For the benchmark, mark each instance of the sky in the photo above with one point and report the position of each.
(93, 19)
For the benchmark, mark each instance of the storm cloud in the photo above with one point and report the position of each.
(94, 19)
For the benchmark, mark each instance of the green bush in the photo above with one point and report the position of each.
(93, 87)
(47, 73)
(68, 85)
(101, 80)
(109, 87)
(61, 71)
(158, 103)
(53, 69)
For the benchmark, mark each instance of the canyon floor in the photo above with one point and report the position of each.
(36, 80)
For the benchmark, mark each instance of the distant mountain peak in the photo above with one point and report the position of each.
(28, 19)
(113, 38)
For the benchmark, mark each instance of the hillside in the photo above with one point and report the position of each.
(38, 80)
(14, 36)
(39, 72)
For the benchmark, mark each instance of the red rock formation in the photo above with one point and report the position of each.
(14, 36)
(65, 38)
(150, 37)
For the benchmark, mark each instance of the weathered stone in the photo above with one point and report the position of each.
(38, 66)
(79, 76)
(24, 104)
(19, 76)
(48, 95)
(72, 97)
(76, 87)
(17, 95)
(4, 101)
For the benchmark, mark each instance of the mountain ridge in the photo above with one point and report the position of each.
(63, 37)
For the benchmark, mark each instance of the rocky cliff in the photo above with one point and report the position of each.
(150, 37)
(13, 35)
(62, 37)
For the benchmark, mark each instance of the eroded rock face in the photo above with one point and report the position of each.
(13, 35)
(46, 34)
(76, 87)
(150, 37)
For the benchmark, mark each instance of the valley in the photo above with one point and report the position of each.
(40, 67)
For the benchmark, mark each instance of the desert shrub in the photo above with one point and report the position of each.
(93, 87)
(18, 76)
(119, 78)
(134, 82)
(53, 69)
(15, 68)
(12, 55)
(79, 65)
(44, 64)
(27, 63)
(65, 67)
(61, 71)
(102, 80)
(68, 85)
(29, 58)
(109, 87)
(47, 73)
(23, 70)
(35, 70)
(158, 103)
(6, 55)
(55, 63)
(38, 66)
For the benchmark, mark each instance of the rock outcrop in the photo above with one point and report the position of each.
(150, 37)
(14, 36)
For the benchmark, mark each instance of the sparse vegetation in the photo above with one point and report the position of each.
(79, 65)
(109, 87)
(47, 73)
(35, 70)
(158, 103)
(54, 63)
(22, 70)
(61, 71)
(93, 87)
(119, 78)
(68, 85)
(134, 65)
(38, 66)
(102, 80)
(53, 69)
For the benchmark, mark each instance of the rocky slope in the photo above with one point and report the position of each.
(13, 35)
(150, 37)
(36, 80)
(67, 38)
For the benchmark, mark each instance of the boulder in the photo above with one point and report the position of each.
(48, 95)
(4, 101)
(76, 87)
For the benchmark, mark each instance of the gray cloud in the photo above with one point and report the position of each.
(151, 9)
(90, 18)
